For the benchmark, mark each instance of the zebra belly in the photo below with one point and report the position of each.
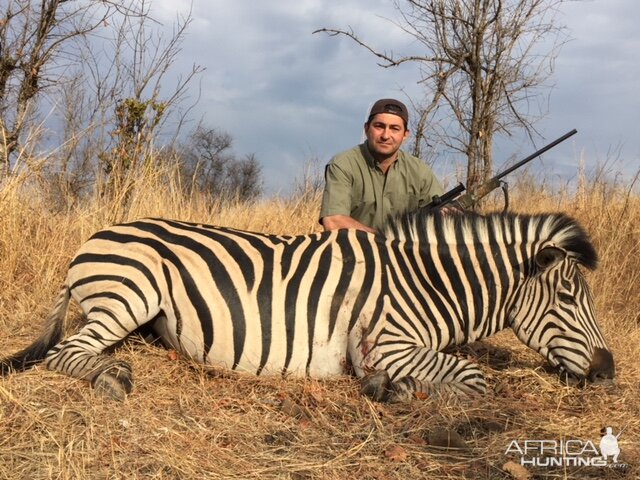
(259, 353)
(324, 359)
(331, 365)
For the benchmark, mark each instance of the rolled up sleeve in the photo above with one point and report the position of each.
(336, 198)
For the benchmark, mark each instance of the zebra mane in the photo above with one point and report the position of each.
(433, 226)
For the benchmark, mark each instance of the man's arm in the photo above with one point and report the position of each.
(333, 222)
(336, 200)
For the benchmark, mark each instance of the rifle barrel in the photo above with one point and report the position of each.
(535, 154)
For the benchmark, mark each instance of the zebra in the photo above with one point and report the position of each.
(382, 306)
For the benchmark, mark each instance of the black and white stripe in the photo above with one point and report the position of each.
(312, 304)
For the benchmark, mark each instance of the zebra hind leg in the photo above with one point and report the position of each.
(114, 381)
(399, 376)
(115, 378)
(109, 377)
(110, 319)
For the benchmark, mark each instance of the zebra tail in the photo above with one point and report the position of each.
(53, 333)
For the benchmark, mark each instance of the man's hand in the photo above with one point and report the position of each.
(451, 210)
(334, 222)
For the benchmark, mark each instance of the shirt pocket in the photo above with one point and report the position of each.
(402, 202)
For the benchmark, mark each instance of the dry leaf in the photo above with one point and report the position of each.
(396, 453)
(416, 439)
(304, 423)
(442, 437)
(516, 470)
(172, 355)
(421, 395)
(293, 409)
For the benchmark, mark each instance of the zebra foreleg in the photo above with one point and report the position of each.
(400, 374)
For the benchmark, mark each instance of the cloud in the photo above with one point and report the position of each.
(288, 95)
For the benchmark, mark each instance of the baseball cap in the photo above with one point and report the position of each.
(390, 105)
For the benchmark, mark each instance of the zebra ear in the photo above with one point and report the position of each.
(549, 257)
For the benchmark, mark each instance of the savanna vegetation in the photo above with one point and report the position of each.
(99, 158)
(185, 421)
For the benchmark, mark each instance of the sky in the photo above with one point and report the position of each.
(290, 96)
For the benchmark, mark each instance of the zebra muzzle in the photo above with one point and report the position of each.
(601, 370)
(602, 366)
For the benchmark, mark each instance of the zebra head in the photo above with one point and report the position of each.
(555, 312)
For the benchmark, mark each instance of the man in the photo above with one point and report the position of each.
(375, 180)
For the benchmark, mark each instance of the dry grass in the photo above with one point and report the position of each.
(184, 421)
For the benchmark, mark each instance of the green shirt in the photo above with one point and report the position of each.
(355, 186)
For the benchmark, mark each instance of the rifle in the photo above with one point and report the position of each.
(471, 198)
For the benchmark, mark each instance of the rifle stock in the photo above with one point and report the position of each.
(471, 198)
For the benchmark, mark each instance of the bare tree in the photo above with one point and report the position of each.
(209, 165)
(133, 94)
(33, 35)
(206, 155)
(99, 72)
(245, 178)
(483, 64)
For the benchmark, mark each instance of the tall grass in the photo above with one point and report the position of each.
(183, 423)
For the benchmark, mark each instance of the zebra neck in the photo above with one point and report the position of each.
(452, 293)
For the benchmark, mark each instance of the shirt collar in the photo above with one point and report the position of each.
(366, 153)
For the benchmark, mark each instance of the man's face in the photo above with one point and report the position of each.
(385, 134)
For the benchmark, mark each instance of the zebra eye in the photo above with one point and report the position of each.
(567, 298)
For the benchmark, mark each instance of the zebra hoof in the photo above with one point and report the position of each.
(377, 386)
(115, 382)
